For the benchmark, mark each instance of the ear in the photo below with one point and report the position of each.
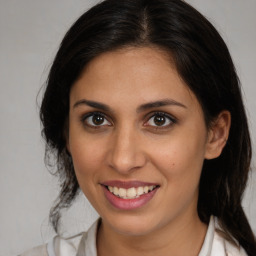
(218, 135)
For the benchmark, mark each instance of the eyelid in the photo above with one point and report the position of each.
(148, 117)
(87, 115)
(161, 113)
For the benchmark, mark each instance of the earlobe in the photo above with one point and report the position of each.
(218, 135)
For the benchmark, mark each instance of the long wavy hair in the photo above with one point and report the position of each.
(204, 63)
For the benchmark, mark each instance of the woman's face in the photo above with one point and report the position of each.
(134, 126)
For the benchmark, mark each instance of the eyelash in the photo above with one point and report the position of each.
(84, 119)
(172, 120)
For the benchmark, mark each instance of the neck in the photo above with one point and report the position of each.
(186, 234)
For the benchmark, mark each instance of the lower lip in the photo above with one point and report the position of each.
(128, 204)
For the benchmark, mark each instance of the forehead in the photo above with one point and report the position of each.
(136, 75)
(134, 62)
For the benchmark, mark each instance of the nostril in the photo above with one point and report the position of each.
(126, 162)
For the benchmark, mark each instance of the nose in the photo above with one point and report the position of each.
(126, 152)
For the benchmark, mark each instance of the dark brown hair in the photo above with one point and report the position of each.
(202, 60)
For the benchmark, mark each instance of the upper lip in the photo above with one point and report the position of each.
(127, 184)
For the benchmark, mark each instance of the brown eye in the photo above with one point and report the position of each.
(96, 120)
(159, 120)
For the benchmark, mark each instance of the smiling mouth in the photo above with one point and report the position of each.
(131, 193)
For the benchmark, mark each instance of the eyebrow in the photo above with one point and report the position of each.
(143, 107)
(93, 104)
(160, 103)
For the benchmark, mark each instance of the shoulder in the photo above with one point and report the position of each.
(85, 243)
(222, 246)
(56, 247)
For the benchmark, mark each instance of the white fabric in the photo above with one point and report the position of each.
(50, 248)
(208, 240)
(84, 244)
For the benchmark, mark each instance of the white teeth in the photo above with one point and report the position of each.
(116, 191)
(140, 191)
(146, 189)
(122, 192)
(130, 193)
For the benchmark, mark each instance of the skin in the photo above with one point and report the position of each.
(128, 145)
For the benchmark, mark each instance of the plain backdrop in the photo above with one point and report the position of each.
(30, 32)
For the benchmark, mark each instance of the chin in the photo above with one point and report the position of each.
(134, 225)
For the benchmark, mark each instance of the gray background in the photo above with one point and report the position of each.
(30, 32)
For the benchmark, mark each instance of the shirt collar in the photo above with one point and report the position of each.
(87, 246)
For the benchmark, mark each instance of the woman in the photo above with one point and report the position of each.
(144, 112)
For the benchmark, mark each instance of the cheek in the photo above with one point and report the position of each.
(180, 159)
(87, 163)
(87, 158)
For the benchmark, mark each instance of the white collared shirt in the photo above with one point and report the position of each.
(84, 244)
